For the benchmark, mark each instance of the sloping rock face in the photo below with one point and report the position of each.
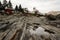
(18, 27)
(54, 20)
(41, 29)
(54, 12)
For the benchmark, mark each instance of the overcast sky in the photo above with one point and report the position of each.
(41, 5)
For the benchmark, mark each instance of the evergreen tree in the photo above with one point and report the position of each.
(21, 9)
(0, 6)
(4, 2)
(0, 3)
(9, 4)
(16, 8)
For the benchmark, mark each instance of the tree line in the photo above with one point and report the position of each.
(8, 5)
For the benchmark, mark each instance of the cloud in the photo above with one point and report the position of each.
(41, 5)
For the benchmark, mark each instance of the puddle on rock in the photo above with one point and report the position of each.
(38, 31)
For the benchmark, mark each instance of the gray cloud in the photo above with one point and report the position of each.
(41, 5)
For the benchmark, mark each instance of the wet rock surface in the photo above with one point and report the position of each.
(17, 27)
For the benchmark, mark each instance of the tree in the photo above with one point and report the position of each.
(0, 6)
(16, 8)
(9, 4)
(21, 9)
(0, 3)
(4, 2)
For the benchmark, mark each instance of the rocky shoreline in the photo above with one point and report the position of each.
(20, 27)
